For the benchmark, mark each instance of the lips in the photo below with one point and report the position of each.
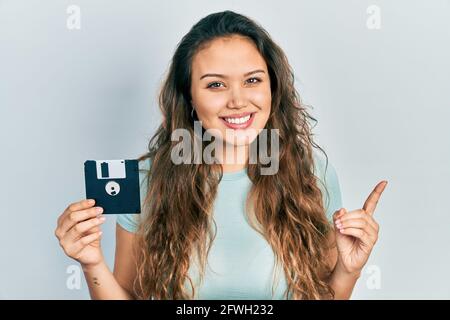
(238, 121)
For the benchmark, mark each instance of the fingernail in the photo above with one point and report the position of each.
(91, 201)
(102, 218)
(99, 209)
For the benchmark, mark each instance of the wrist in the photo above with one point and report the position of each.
(93, 267)
(342, 271)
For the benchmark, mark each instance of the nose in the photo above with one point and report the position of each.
(237, 98)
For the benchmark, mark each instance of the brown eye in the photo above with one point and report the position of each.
(257, 80)
(213, 85)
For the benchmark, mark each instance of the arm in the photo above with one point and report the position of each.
(353, 237)
(356, 233)
(79, 235)
(341, 281)
(102, 283)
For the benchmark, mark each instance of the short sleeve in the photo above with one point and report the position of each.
(130, 221)
(329, 185)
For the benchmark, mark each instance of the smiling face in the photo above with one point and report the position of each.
(230, 89)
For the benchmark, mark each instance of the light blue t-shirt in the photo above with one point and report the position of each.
(241, 262)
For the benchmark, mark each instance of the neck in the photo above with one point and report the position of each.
(233, 158)
(233, 167)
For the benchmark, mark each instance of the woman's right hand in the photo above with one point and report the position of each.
(78, 232)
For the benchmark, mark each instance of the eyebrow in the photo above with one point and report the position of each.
(223, 76)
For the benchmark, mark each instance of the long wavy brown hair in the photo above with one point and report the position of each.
(177, 222)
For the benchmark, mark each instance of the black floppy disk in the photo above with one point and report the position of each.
(114, 185)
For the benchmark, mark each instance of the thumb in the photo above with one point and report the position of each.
(339, 213)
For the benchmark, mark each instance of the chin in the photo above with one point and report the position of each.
(241, 138)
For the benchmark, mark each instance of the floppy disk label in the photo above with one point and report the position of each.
(110, 169)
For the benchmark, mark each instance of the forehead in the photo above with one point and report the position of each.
(229, 55)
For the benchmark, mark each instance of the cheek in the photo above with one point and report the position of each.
(208, 106)
(261, 98)
(207, 113)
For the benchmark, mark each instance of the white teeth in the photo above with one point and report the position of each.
(237, 120)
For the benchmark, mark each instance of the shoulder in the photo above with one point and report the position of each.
(328, 182)
(144, 164)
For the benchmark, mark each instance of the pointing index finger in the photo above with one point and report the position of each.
(372, 200)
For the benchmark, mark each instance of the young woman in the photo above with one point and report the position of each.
(225, 230)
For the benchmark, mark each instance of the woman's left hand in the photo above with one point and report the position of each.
(357, 233)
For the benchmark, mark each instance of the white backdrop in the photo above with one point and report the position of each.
(377, 74)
